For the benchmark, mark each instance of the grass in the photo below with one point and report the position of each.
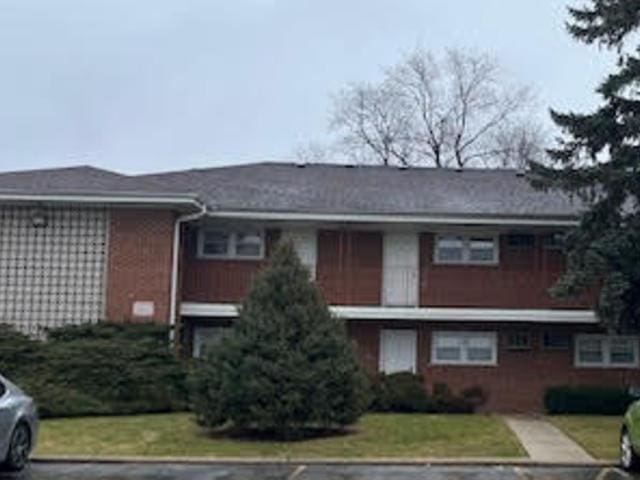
(598, 435)
(376, 435)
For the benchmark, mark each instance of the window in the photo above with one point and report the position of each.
(450, 249)
(519, 240)
(207, 337)
(475, 250)
(519, 341)
(231, 244)
(215, 243)
(553, 241)
(464, 348)
(248, 244)
(556, 341)
(606, 351)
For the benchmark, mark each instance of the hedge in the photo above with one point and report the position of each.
(587, 400)
(97, 369)
(405, 392)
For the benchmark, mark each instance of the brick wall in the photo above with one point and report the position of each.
(139, 267)
(519, 380)
(521, 279)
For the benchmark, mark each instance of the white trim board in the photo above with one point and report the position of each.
(101, 198)
(387, 218)
(227, 310)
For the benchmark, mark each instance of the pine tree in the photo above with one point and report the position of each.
(288, 365)
(598, 161)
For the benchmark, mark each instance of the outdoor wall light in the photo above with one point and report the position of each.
(39, 218)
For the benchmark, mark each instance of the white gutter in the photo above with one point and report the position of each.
(101, 198)
(387, 218)
(175, 260)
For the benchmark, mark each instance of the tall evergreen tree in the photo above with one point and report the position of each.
(598, 161)
(288, 364)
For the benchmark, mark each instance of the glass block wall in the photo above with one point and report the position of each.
(52, 266)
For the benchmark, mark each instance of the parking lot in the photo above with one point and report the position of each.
(124, 471)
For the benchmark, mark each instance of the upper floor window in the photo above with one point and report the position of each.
(606, 351)
(554, 241)
(521, 240)
(244, 244)
(474, 250)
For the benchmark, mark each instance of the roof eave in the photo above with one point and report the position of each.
(442, 219)
(186, 202)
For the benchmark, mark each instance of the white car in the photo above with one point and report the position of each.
(18, 426)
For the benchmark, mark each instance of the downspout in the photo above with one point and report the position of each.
(175, 260)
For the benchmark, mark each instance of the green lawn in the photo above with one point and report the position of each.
(376, 435)
(598, 435)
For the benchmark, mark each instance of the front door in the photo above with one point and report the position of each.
(398, 351)
(400, 269)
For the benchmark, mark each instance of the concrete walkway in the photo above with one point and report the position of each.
(545, 442)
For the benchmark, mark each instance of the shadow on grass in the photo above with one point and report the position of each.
(230, 432)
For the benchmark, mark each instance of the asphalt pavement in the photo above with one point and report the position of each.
(293, 471)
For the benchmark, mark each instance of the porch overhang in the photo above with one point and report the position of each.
(480, 315)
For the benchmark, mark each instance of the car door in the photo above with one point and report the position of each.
(5, 419)
(634, 423)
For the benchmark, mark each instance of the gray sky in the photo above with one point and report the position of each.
(143, 85)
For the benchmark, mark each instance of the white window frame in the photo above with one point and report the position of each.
(466, 249)
(233, 243)
(606, 351)
(465, 336)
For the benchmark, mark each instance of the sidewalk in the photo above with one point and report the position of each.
(544, 442)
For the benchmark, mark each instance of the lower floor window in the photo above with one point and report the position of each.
(464, 348)
(606, 351)
(207, 337)
(556, 341)
(519, 341)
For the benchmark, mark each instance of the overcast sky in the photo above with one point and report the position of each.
(143, 85)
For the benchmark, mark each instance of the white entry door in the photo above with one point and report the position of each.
(398, 351)
(400, 266)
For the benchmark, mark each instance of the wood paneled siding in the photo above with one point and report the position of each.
(218, 280)
(349, 267)
(521, 279)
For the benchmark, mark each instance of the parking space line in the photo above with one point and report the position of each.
(520, 473)
(603, 474)
(296, 473)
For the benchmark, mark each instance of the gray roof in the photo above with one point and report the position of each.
(81, 180)
(319, 188)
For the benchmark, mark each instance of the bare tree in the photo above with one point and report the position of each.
(374, 119)
(456, 111)
(518, 144)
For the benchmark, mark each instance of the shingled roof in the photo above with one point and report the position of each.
(319, 189)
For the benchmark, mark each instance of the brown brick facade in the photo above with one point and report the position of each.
(140, 260)
(521, 279)
(516, 383)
